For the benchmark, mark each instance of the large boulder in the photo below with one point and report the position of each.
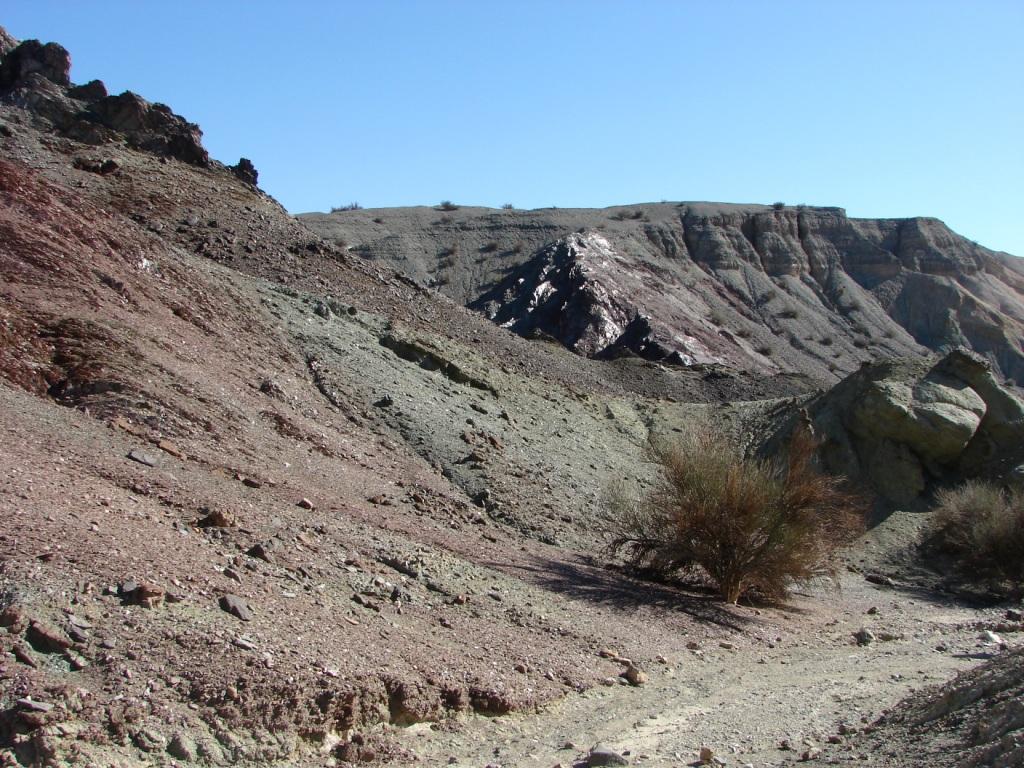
(50, 60)
(899, 427)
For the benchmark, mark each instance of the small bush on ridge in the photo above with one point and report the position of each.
(348, 207)
(751, 525)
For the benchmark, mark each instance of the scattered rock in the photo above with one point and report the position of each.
(634, 675)
(13, 619)
(990, 637)
(261, 551)
(864, 636)
(28, 704)
(183, 747)
(216, 518)
(601, 755)
(236, 606)
(880, 579)
(142, 458)
(707, 756)
(75, 660)
(150, 740)
(305, 503)
(148, 595)
(47, 639)
(22, 654)
(168, 447)
(385, 402)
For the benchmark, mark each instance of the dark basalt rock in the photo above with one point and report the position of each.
(50, 60)
(246, 171)
(36, 76)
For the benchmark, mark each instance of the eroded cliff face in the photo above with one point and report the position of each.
(754, 287)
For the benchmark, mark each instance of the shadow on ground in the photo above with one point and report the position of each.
(581, 579)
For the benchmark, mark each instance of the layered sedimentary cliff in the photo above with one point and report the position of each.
(755, 287)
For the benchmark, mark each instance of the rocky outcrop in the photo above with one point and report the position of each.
(901, 426)
(36, 76)
(246, 171)
(759, 288)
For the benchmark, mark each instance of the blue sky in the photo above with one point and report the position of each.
(884, 108)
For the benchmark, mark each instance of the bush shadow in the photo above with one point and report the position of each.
(584, 579)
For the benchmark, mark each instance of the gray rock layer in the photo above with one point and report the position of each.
(761, 288)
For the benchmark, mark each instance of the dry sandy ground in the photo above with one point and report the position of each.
(793, 681)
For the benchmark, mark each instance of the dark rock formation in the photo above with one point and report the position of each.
(246, 171)
(32, 57)
(37, 77)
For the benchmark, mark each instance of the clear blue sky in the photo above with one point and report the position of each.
(885, 108)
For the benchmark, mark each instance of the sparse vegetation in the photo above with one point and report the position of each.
(378, 220)
(489, 247)
(778, 206)
(626, 215)
(348, 207)
(507, 207)
(827, 340)
(717, 318)
(789, 312)
(981, 528)
(763, 349)
(447, 205)
(744, 333)
(752, 526)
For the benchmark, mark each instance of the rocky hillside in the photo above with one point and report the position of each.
(753, 287)
(267, 503)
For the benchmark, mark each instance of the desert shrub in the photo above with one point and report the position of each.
(744, 333)
(717, 318)
(763, 349)
(348, 207)
(489, 247)
(447, 205)
(751, 525)
(981, 528)
(827, 340)
(778, 206)
(517, 247)
(789, 312)
(378, 220)
(507, 207)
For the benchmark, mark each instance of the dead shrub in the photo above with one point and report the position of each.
(751, 525)
(981, 528)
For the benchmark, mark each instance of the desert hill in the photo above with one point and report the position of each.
(783, 288)
(267, 502)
